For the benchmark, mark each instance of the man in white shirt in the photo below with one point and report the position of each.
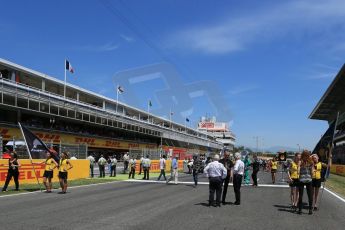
(146, 167)
(132, 165)
(162, 164)
(92, 162)
(101, 164)
(125, 162)
(216, 172)
(113, 163)
(238, 174)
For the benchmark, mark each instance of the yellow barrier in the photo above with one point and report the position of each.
(338, 169)
(81, 169)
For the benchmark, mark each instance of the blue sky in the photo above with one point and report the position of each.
(269, 61)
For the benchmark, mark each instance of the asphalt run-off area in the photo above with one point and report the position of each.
(138, 204)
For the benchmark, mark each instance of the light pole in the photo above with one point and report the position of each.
(299, 148)
(257, 143)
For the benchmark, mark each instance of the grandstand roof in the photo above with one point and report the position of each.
(332, 101)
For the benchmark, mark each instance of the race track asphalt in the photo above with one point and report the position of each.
(137, 205)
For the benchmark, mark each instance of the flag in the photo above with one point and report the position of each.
(150, 103)
(171, 113)
(187, 119)
(69, 67)
(36, 147)
(120, 89)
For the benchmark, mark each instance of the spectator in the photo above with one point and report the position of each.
(195, 168)
(132, 165)
(238, 174)
(174, 171)
(162, 165)
(113, 164)
(101, 164)
(13, 171)
(228, 164)
(92, 162)
(216, 172)
(125, 162)
(305, 179)
(146, 167)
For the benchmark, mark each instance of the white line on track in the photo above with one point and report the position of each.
(69, 188)
(206, 183)
(202, 183)
(336, 195)
(164, 182)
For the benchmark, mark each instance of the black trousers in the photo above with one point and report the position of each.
(140, 168)
(309, 188)
(125, 166)
(215, 186)
(10, 174)
(113, 170)
(146, 173)
(255, 177)
(162, 174)
(132, 173)
(225, 188)
(91, 169)
(101, 171)
(237, 187)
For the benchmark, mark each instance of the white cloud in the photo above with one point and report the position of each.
(127, 38)
(110, 46)
(243, 89)
(233, 34)
(320, 76)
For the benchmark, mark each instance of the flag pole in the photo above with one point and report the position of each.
(117, 97)
(64, 87)
(148, 111)
(170, 117)
(329, 163)
(27, 148)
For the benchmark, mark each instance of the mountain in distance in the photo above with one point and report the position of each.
(275, 149)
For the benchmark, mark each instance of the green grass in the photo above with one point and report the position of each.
(34, 187)
(336, 183)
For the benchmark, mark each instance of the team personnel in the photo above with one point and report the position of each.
(274, 167)
(146, 167)
(196, 168)
(293, 174)
(174, 171)
(132, 165)
(247, 164)
(141, 165)
(238, 174)
(162, 165)
(113, 163)
(50, 165)
(216, 173)
(316, 179)
(13, 171)
(64, 166)
(125, 162)
(228, 164)
(305, 179)
(101, 165)
(256, 168)
(92, 162)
